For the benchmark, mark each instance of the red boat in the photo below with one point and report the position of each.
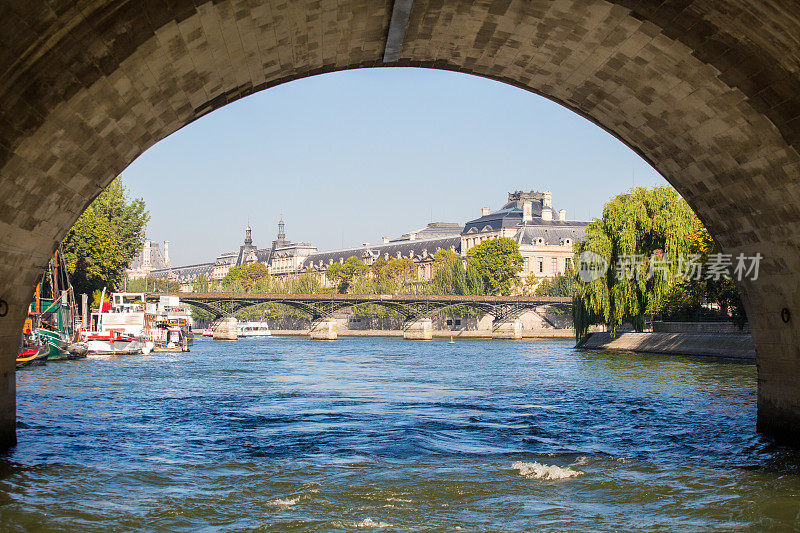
(33, 356)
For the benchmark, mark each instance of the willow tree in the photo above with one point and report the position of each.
(641, 238)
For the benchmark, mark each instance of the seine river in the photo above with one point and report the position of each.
(384, 434)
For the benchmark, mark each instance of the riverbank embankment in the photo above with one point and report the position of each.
(727, 345)
(551, 333)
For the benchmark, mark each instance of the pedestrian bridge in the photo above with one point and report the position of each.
(416, 309)
(706, 91)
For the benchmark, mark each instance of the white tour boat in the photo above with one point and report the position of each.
(253, 329)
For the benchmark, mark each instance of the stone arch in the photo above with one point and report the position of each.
(705, 90)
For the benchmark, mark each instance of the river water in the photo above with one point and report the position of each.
(385, 434)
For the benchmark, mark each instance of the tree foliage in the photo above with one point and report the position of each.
(105, 239)
(202, 283)
(128, 217)
(252, 277)
(497, 262)
(689, 299)
(153, 285)
(641, 235)
(562, 284)
(397, 275)
(342, 274)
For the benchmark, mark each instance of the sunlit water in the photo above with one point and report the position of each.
(384, 434)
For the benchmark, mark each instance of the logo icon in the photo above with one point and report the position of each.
(591, 266)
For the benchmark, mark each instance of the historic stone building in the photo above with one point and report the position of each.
(283, 257)
(544, 236)
(151, 257)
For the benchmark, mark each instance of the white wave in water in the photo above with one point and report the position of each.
(286, 502)
(369, 522)
(539, 471)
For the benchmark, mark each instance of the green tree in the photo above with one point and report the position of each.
(498, 262)
(201, 284)
(444, 262)
(105, 239)
(92, 254)
(460, 285)
(342, 274)
(309, 283)
(689, 299)
(246, 278)
(397, 275)
(128, 217)
(474, 280)
(560, 285)
(376, 267)
(640, 236)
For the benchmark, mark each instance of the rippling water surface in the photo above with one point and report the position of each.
(384, 434)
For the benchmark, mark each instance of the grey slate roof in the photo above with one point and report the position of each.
(417, 247)
(184, 273)
(551, 232)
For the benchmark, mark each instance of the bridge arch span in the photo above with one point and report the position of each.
(707, 91)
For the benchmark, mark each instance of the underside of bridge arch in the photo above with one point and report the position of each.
(705, 90)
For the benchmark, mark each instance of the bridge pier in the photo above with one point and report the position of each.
(224, 329)
(507, 329)
(418, 329)
(324, 330)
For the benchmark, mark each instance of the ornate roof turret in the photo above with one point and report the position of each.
(281, 232)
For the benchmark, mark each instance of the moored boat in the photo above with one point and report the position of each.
(33, 351)
(113, 343)
(53, 312)
(57, 343)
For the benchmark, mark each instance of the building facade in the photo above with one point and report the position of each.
(544, 235)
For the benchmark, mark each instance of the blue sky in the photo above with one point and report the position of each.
(352, 156)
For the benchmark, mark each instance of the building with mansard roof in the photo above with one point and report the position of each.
(544, 235)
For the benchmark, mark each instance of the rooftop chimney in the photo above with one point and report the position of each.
(386, 240)
(166, 254)
(547, 200)
(527, 212)
(485, 211)
(412, 236)
(562, 215)
(547, 214)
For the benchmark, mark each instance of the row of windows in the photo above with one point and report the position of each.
(539, 262)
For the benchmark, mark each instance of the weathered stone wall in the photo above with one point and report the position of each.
(707, 91)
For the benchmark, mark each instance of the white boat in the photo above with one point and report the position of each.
(119, 327)
(128, 324)
(253, 329)
(115, 343)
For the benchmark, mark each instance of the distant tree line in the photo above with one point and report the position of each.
(491, 267)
